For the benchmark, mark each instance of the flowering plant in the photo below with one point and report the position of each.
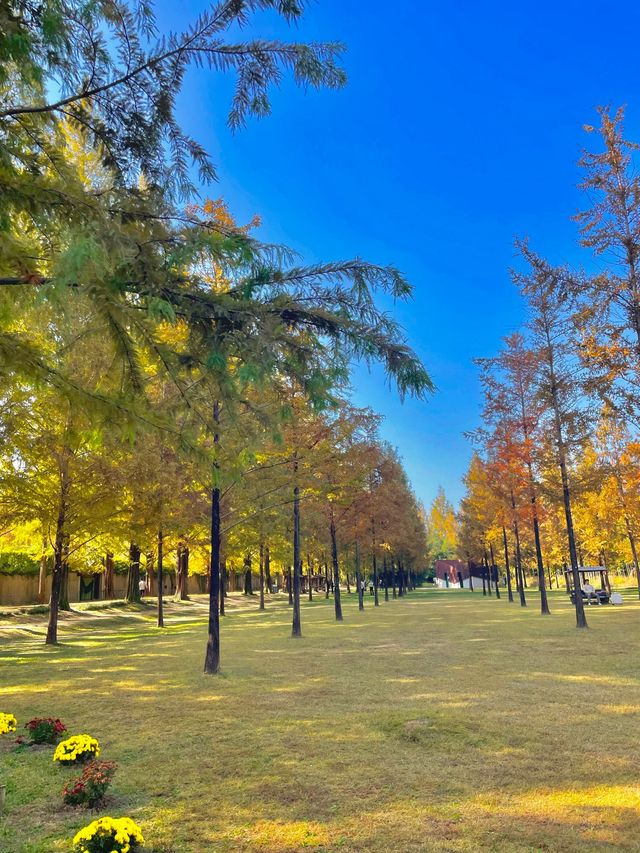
(8, 723)
(45, 729)
(91, 787)
(109, 835)
(78, 748)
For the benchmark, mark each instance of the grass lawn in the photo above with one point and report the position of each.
(441, 722)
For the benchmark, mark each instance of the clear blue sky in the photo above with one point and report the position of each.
(460, 128)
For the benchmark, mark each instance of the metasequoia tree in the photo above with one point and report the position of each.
(514, 407)
(609, 302)
(565, 417)
(99, 172)
(441, 527)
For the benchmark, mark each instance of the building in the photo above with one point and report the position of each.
(458, 573)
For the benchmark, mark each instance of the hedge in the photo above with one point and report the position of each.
(17, 563)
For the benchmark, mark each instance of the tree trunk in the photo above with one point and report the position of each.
(628, 527)
(59, 550)
(247, 584)
(160, 578)
(182, 573)
(223, 583)
(148, 558)
(488, 570)
(212, 654)
(359, 579)
(519, 573)
(261, 577)
(309, 577)
(56, 582)
(267, 568)
(336, 569)
(386, 578)
(542, 583)
(108, 575)
(42, 574)
(296, 626)
(374, 563)
(327, 584)
(581, 619)
(133, 577)
(494, 571)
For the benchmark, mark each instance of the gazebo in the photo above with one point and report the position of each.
(596, 575)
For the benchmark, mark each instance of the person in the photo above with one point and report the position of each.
(142, 585)
(370, 587)
(589, 590)
(362, 586)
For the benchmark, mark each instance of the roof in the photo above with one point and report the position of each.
(585, 570)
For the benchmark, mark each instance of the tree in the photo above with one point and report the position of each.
(441, 527)
(513, 407)
(609, 302)
(566, 419)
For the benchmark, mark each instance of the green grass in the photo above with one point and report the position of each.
(441, 722)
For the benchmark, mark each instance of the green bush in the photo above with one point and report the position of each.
(16, 563)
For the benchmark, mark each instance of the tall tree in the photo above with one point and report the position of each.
(566, 418)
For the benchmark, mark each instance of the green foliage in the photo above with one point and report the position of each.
(16, 563)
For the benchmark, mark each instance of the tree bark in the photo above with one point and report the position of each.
(223, 583)
(182, 573)
(336, 568)
(296, 626)
(212, 654)
(519, 573)
(261, 607)
(108, 575)
(488, 569)
(248, 586)
(59, 550)
(359, 579)
(494, 571)
(628, 527)
(309, 577)
(385, 572)
(42, 573)
(133, 576)
(374, 563)
(160, 578)
(267, 568)
(581, 619)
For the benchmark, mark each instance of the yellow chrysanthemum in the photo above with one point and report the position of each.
(77, 747)
(8, 723)
(124, 834)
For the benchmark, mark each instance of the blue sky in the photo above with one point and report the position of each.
(460, 129)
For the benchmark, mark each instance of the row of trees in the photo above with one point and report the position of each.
(164, 372)
(554, 479)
